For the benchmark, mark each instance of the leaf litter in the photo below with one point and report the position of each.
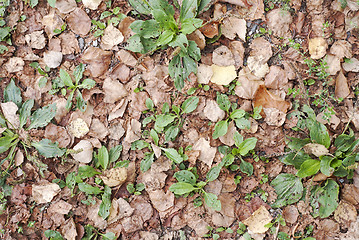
(267, 57)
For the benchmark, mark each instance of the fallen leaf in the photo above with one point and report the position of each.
(84, 156)
(92, 215)
(341, 86)
(290, 214)
(223, 75)
(199, 39)
(257, 66)
(52, 21)
(79, 22)
(57, 134)
(345, 213)
(333, 63)
(316, 149)
(261, 49)
(278, 21)
(15, 64)
(223, 57)
(233, 26)
(341, 49)
(114, 176)
(91, 4)
(9, 110)
(120, 209)
(78, 128)
(60, 207)
(19, 158)
(266, 99)
(65, 6)
(98, 60)
(212, 111)
(98, 129)
(228, 139)
(256, 223)
(276, 78)
(238, 53)
(160, 200)
(248, 84)
(210, 30)
(351, 65)
(52, 59)
(113, 90)
(36, 40)
(68, 229)
(111, 37)
(45, 192)
(204, 73)
(207, 152)
(274, 116)
(317, 47)
(69, 43)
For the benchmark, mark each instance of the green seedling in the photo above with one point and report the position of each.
(65, 82)
(136, 190)
(188, 184)
(115, 14)
(5, 32)
(239, 116)
(33, 3)
(43, 72)
(63, 28)
(165, 31)
(92, 233)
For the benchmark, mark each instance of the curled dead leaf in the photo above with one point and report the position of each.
(266, 99)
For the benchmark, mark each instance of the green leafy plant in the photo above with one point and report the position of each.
(239, 116)
(65, 82)
(33, 3)
(63, 28)
(43, 72)
(135, 189)
(16, 132)
(115, 14)
(53, 235)
(5, 32)
(163, 31)
(188, 184)
(92, 233)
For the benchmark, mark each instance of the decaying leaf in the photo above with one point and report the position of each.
(45, 192)
(120, 208)
(36, 40)
(223, 57)
(223, 75)
(207, 152)
(78, 128)
(15, 64)
(333, 63)
(84, 156)
(212, 111)
(65, 6)
(98, 60)
(52, 59)
(199, 38)
(111, 37)
(52, 21)
(68, 229)
(79, 22)
(341, 86)
(266, 99)
(351, 65)
(204, 73)
(317, 47)
(278, 21)
(261, 49)
(256, 223)
(341, 49)
(345, 213)
(257, 66)
(113, 90)
(316, 149)
(9, 110)
(276, 78)
(114, 177)
(233, 26)
(248, 84)
(91, 4)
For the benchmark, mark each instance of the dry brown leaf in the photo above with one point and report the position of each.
(345, 213)
(351, 65)
(52, 59)
(341, 49)
(238, 53)
(223, 75)
(261, 49)
(133, 133)
(65, 6)
(85, 151)
(210, 30)
(228, 139)
(276, 78)
(60, 207)
(341, 86)
(223, 57)
(113, 90)
(317, 47)
(124, 27)
(52, 21)
(274, 117)
(45, 192)
(199, 38)
(120, 208)
(114, 177)
(290, 214)
(19, 158)
(207, 152)
(78, 128)
(9, 110)
(79, 22)
(316, 149)
(266, 99)
(15, 64)
(333, 63)
(91, 4)
(92, 215)
(98, 60)
(257, 66)
(256, 223)
(68, 229)
(57, 134)
(278, 21)
(127, 58)
(212, 111)
(248, 84)
(98, 129)
(111, 37)
(69, 43)
(233, 26)
(160, 200)
(36, 40)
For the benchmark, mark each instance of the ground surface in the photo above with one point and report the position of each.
(139, 135)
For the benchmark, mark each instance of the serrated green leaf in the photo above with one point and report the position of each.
(41, 117)
(12, 94)
(103, 157)
(25, 111)
(246, 167)
(146, 29)
(141, 6)
(173, 155)
(220, 129)
(114, 153)
(289, 189)
(66, 79)
(104, 210)
(185, 176)
(324, 200)
(182, 188)
(213, 173)
(88, 189)
(308, 168)
(190, 104)
(147, 161)
(48, 149)
(212, 201)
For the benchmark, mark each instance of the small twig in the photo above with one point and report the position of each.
(293, 231)
(276, 232)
